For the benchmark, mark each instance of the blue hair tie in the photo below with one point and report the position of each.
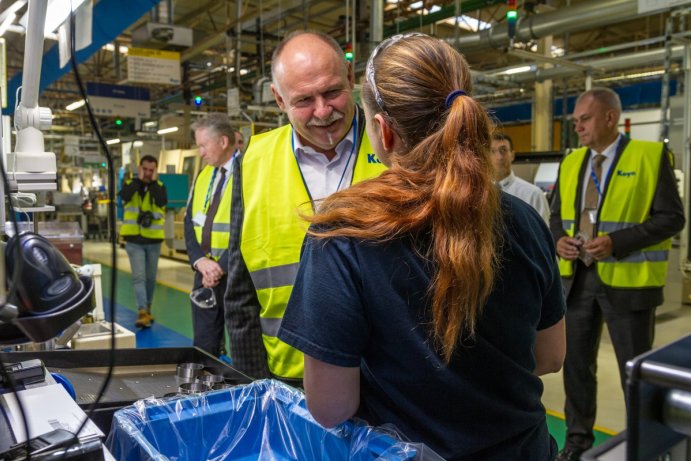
(452, 97)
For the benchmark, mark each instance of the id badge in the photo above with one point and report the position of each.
(199, 219)
(592, 215)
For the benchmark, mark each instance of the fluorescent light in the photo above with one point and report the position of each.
(518, 70)
(76, 105)
(172, 129)
(651, 73)
(110, 142)
(151, 124)
(110, 47)
(137, 143)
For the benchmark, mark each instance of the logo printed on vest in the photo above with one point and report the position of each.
(626, 174)
(372, 158)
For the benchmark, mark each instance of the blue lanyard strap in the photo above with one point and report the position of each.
(208, 190)
(594, 176)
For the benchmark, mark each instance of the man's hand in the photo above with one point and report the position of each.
(211, 272)
(599, 247)
(568, 248)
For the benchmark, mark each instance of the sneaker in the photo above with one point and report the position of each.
(569, 454)
(143, 319)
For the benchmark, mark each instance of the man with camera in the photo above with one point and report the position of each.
(145, 199)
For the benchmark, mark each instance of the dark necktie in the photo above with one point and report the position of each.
(211, 212)
(592, 197)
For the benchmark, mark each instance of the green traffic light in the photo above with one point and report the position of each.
(198, 100)
(512, 15)
(349, 55)
(118, 122)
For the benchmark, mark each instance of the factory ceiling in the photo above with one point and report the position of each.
(231, 44)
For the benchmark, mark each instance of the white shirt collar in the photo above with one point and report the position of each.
(610, 150)
(504, 183)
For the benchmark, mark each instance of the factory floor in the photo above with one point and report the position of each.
(173, 327)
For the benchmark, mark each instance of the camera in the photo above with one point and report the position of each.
(145, 219)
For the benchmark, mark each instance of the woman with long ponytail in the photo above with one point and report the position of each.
(426, 297)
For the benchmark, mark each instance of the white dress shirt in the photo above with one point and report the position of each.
(529, 193)
(322, 176)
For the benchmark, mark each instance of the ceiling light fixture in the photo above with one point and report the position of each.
(75, 105)
(172, 129)
(110, 142)
(518, 70)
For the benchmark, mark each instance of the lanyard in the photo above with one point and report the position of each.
(592, 170)
(345, 168)
(213, 177)
(208, 190)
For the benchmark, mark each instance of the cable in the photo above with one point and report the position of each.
(111, 219)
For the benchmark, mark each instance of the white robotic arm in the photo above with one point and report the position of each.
(32, 168)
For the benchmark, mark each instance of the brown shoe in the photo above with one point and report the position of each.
(143, 320)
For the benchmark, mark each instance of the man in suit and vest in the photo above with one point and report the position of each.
(145, 200)
(207, 227)
(614, 212)
(282, 174)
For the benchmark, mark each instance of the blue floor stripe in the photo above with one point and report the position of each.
(155, 336)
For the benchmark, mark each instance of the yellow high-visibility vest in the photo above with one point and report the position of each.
(272, 232)
(203, 194)
(134, 207)
(629, 195)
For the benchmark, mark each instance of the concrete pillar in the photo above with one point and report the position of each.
(542, 105)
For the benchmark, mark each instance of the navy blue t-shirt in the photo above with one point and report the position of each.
(367, 305)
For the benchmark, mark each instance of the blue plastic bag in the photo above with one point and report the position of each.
(264, 420)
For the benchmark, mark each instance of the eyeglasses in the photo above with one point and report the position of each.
(203, 297)
(369, 69)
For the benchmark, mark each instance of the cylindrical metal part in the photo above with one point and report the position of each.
(189, 370)
(209, 380)
(676, 412)
(193, 388)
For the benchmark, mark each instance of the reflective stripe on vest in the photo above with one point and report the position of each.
(134, 207)
(272, 231)
(220, 229)
(632, 181)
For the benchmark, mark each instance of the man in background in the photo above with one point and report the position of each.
(503, 156)
(145, 199)
(207, 228)
(614, 211)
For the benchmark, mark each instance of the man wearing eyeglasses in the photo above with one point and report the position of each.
(283, 173)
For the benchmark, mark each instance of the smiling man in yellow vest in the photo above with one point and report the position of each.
(207, 227)
(142, 229)
(614, 211)
(283, 173)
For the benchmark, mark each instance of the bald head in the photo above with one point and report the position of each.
(301, 47)
(313, 85)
